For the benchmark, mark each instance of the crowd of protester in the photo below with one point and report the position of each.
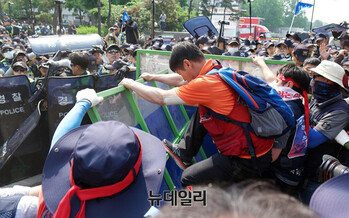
(319, 68)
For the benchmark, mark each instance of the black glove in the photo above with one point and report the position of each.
(121, 73)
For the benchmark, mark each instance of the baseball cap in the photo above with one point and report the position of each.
(157, 44)
(207, 49)
(216, 50)
(113, 46)
(268, 44)
(240, 53)
(279, 56)
(308, 42)
(125, 45)
(234, 40)
(204, 40)
(165, 47)
(280, 43)
(301, 51)
(296, 37)
(6, 46)
(262, 52)
(19, 64)
(247, 42)
(331, 198)
(17, 53)
(333, 48)
(320, 36)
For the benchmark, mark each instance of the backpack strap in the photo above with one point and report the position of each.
(245, 127)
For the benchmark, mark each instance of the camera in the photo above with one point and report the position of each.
(223, 22)
(330, 167)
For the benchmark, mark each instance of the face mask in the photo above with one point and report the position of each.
(232, 50)
(324, 91)
(8, 55)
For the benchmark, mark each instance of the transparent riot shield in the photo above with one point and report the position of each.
(157, 61)
(105, 82)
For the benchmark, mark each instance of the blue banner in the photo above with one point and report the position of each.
(300, 140)
(125, 17)
(300, 6)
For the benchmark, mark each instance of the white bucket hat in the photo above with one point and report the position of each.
(330, 70)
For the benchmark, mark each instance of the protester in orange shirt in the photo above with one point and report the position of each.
(233, 162)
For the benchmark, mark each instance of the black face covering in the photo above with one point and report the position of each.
(324, 91)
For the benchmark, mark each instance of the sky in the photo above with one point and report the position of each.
(329, 11)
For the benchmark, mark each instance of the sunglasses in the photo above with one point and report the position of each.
(19, 70)
(113, 51)
(6, 50)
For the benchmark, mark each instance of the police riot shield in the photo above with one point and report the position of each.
(108, 81)
(61, 92)
(43, 45)
(14, 93)
(329, 28)
(199, 26)
(28, 159)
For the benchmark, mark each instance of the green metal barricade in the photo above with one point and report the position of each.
(122, 105)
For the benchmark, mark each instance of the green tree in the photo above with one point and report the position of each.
(115, 12)
(99, 17)
(183, 3)
(78, 6)
(141, 12)
(109, 12)
(299, 21)
(318, 23)
(20, 9)
(277, 13)
(205, 6)
(45, 17)
(44, 5)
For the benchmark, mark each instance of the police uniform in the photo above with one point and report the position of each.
(5, 64)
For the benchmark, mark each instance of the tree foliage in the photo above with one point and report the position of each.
(80, 7)
(277, 13)
(44, 17)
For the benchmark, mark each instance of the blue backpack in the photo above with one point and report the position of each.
(271, 117)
